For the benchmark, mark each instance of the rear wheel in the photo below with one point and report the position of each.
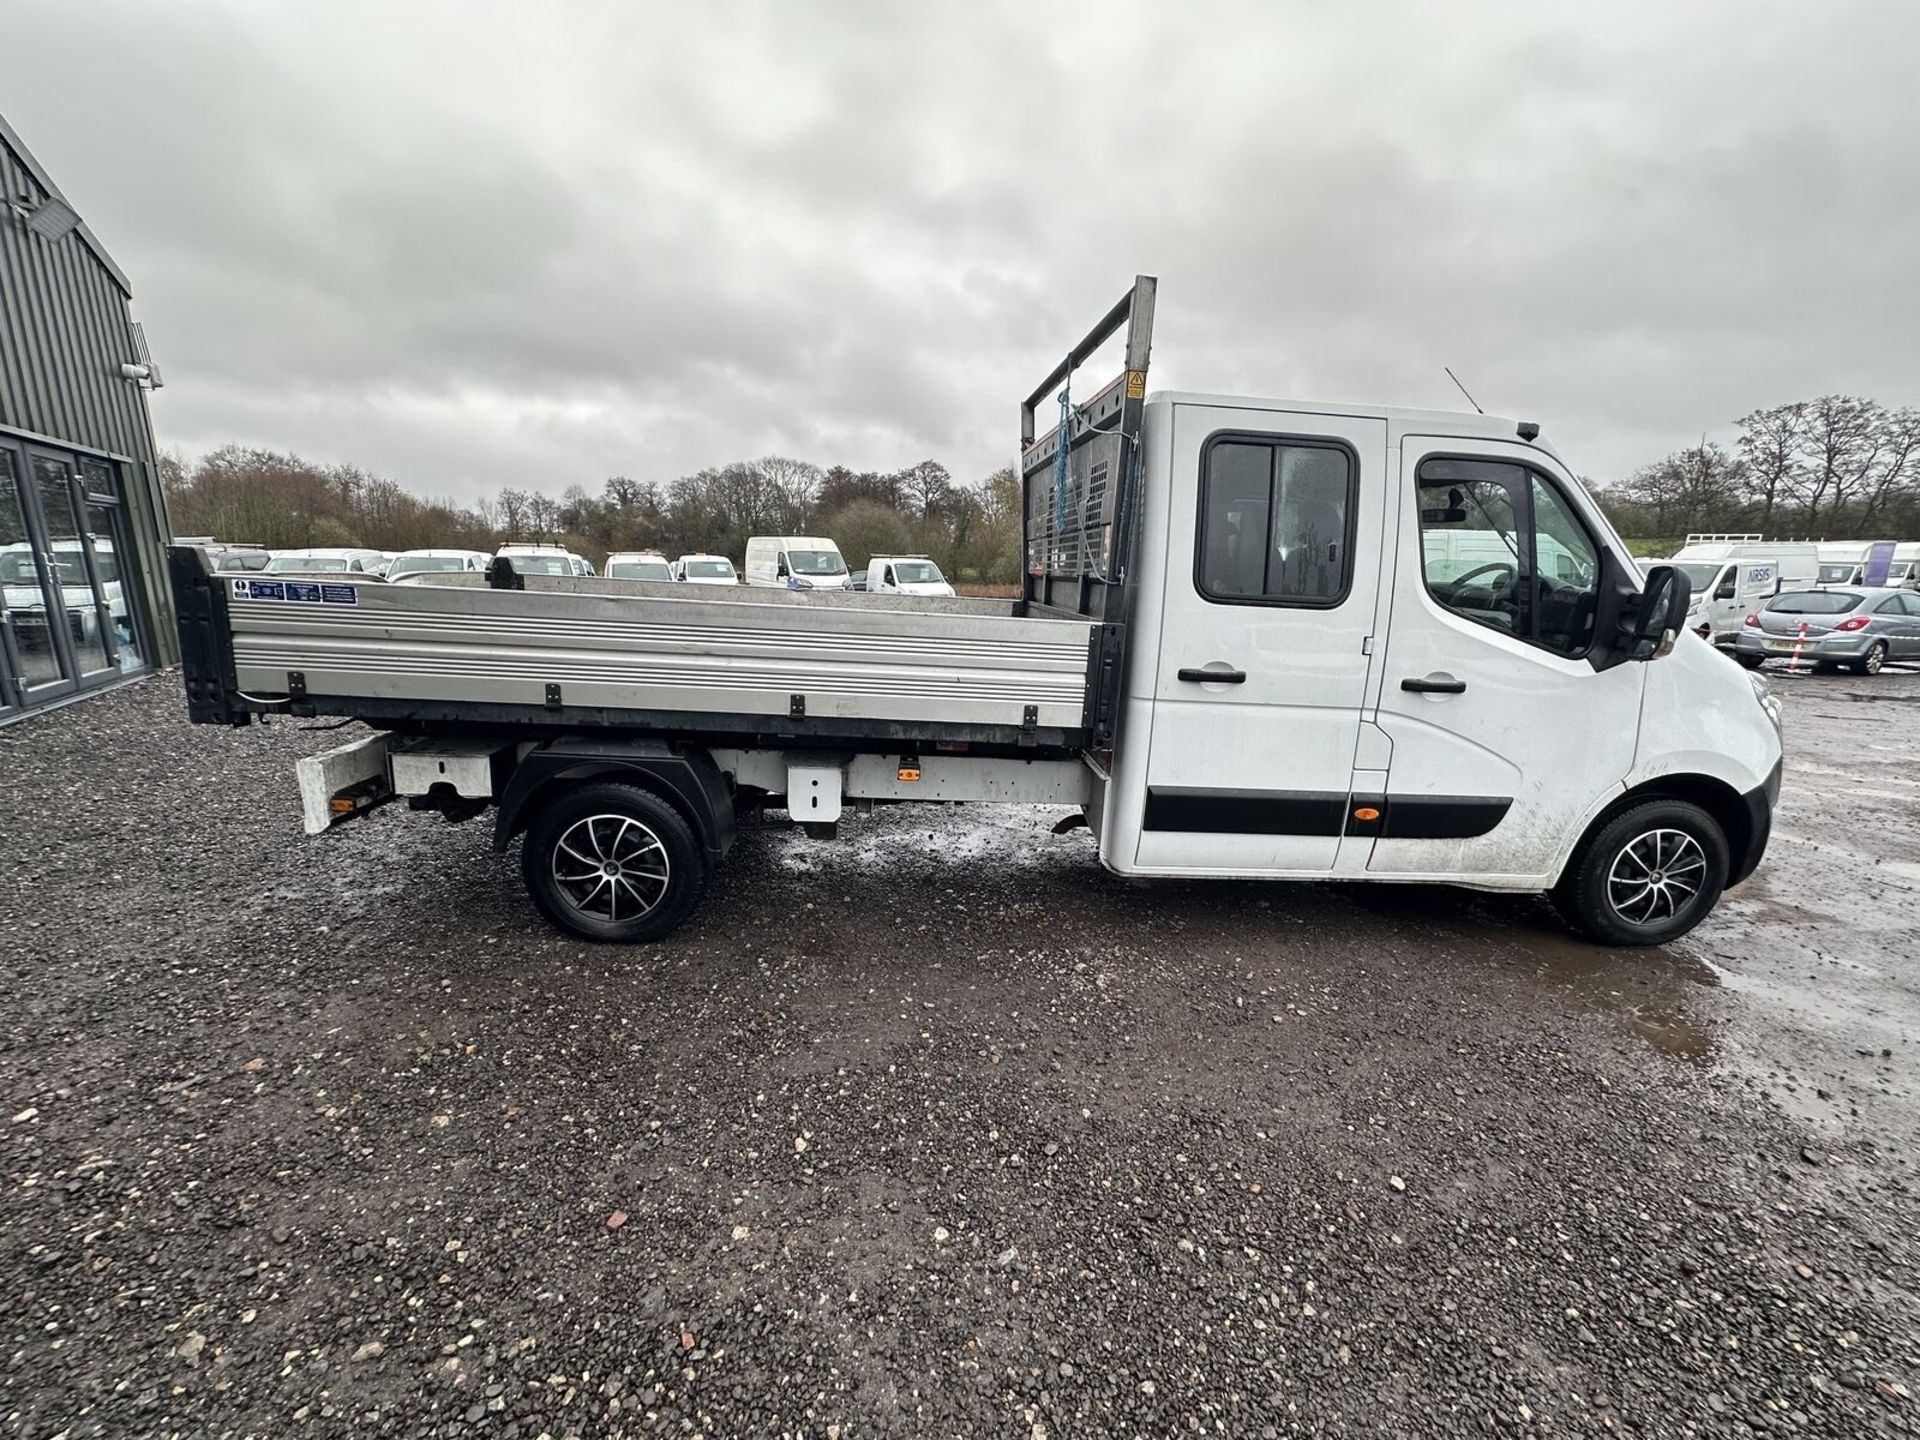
(1870, 663)
(1647, 876)
(612, 862)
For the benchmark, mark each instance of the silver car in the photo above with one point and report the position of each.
(1856, 626)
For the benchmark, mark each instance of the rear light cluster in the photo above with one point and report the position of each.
(1857, 622)
(1753, 621)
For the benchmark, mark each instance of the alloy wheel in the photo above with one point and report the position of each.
(1655, 875)
(611, 867)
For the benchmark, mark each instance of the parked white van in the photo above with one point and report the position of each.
(796, 562)
(429, 563)
(905, 575)
(356, 562)
(537, 559)
(638, 565)
(705, 570)
(1851, 569)
(1732, 575)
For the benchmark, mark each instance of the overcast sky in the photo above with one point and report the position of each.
(469, 245)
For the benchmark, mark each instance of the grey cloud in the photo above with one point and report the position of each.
(473, 245)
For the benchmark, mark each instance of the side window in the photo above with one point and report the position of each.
(1911, 602)
(1727, 583)
(1274, 519)
(1503, 548)
(1568, 562)
(1476, 559)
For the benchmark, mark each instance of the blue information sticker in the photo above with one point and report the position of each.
(340, 594)
(260, 589)
(303, 590)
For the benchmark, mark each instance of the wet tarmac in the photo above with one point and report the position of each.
(1817, 957)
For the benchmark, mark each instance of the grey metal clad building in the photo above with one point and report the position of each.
(82, 515)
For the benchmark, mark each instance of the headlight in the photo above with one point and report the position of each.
(1769, 701)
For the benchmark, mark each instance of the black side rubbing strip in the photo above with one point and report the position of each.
(1246, 812)
(1442, 817)
(1319, 812)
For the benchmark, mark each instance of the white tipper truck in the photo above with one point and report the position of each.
(1236, 652)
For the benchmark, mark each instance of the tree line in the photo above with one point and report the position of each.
(242, 494)
(1839, 467)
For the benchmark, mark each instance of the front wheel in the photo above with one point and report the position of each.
(612, 862)
(1647, 876)
(1752, 662)
(1870, 663)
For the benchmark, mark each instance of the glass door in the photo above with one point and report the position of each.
(85, 618)
(38, 659)
(115, 567)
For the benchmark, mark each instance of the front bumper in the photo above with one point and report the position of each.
(1759, 805)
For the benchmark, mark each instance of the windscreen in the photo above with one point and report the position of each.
(541, 564)
(422, 564)
(1699, 576)
(322, 565)
(638, 570)
(1837, 574)
(1815, 602)
(917, 572)
(709, 569)
(816, 562)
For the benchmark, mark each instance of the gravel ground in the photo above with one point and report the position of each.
(936, 1131)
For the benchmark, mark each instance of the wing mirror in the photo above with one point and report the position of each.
(1652, 625)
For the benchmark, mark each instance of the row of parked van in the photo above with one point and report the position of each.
(791, 562)
(1852, 604)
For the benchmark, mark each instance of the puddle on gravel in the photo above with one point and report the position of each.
(1651, 990)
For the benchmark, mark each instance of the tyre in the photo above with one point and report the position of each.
(1752, 662)
(1870, 663)
(1646, 876)
(607, 861)
(1825, 667)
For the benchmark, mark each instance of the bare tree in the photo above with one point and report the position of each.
(1896, 477)
(543, 515)
(927, 485)
(1769, 446)
(513, 512)
(1839, 445)
(796, 481)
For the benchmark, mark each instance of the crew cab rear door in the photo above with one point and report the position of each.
(1270, 579)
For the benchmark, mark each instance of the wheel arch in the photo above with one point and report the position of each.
(688, 781)
(1730, 810)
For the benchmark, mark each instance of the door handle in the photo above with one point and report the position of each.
(1199, 675)
(1434, 685)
